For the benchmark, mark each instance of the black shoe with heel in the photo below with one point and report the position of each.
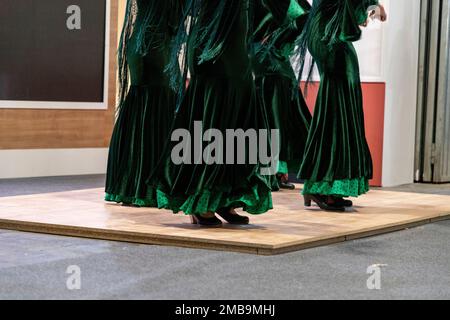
(213, 222)
(322, 202)
(284, 184)
(232, 218)
(343, 202)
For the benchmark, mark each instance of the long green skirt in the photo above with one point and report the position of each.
(337, 158)
(287, 112)
(222, 96)
(222, 104)
(147, 101)
(140, 133)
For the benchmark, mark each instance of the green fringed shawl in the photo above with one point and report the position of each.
(150, 22)
(213, 20)
(280, 23)
(274, 38)
(216, 28)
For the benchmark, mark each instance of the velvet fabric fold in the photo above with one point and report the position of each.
(141, 130)
(275, 33)
(146, 102)
(221, 96)
(337, 158)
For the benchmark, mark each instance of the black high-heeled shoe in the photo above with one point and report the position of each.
(343, 202)
(213, 222)
(285, 184)
(232, 218)
(322, 202)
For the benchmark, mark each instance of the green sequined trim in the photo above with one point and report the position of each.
(139, 202)
(254, 202)
(340, 188)
(283, 167)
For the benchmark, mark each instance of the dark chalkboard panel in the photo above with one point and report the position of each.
(42, 60)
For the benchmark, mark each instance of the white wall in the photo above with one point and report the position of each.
(370, 50)
(52, 162)
(400, 62)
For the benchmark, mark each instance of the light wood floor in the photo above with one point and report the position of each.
(290, 227)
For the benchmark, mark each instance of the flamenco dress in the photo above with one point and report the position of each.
(147, 101)
(278, 23)
(337, 159)
(221, 95)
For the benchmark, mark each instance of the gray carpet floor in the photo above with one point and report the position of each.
(34, 266)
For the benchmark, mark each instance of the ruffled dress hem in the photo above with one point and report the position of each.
(339, 188)
(255, 202)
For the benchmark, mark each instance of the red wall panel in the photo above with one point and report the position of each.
(374, 104)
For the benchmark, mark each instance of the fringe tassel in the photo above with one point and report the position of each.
(154, 28)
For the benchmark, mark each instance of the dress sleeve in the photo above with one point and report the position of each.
(287, 18)
(361, 7)
(355, 15)
(346, 20)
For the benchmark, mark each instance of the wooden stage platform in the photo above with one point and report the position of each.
(290, 227)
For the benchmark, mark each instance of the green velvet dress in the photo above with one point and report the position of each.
(277, 25)
(337, 158)
(147, 102)
(221, 94)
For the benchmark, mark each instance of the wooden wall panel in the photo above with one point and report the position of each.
(52, 129)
